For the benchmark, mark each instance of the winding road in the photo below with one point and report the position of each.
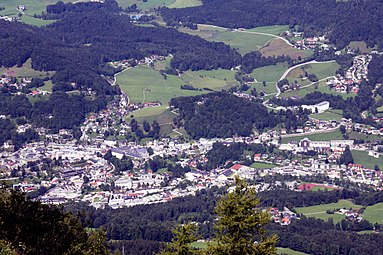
(296, 66)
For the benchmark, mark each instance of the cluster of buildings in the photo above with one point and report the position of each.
(307, 43)
(284, 217)
(349, 83)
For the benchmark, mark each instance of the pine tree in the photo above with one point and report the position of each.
(240, 227)
(239, 231)
(184, 235)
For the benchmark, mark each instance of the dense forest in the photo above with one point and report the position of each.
(343, 21)
(223, 115)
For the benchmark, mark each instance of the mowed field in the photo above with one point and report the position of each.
(33, 7)
(144, 84)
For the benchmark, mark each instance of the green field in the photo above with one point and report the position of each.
(214, 79)
(146, 84)
(289, 251)
(323, 70)
(328, 115)
(374, 213)
(262, 165)
(243, 42)
(335, 135)
(33, 7)
(319, 211)
(361, 157)
(270, 74)
(162, 115)
(185, 3)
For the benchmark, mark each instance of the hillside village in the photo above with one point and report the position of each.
(63, 170)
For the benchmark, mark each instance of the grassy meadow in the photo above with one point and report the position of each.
(144, 84)
(319, 211)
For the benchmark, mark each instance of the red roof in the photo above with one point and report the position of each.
(236, 167)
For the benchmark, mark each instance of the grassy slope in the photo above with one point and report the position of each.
(270, 74)
(374, 213)
(25, 71)
(144, 80)
(321, 70)
(145, 84)
(361, 157)
(319, 211)
(244, 42)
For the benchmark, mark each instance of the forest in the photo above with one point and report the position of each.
(223, 115)
(151, 224)
(343, 21)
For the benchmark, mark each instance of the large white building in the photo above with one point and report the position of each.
(317, 108)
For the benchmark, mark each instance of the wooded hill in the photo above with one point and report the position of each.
(344, 21)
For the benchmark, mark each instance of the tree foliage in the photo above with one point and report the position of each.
(32, 228)
(240, 226)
